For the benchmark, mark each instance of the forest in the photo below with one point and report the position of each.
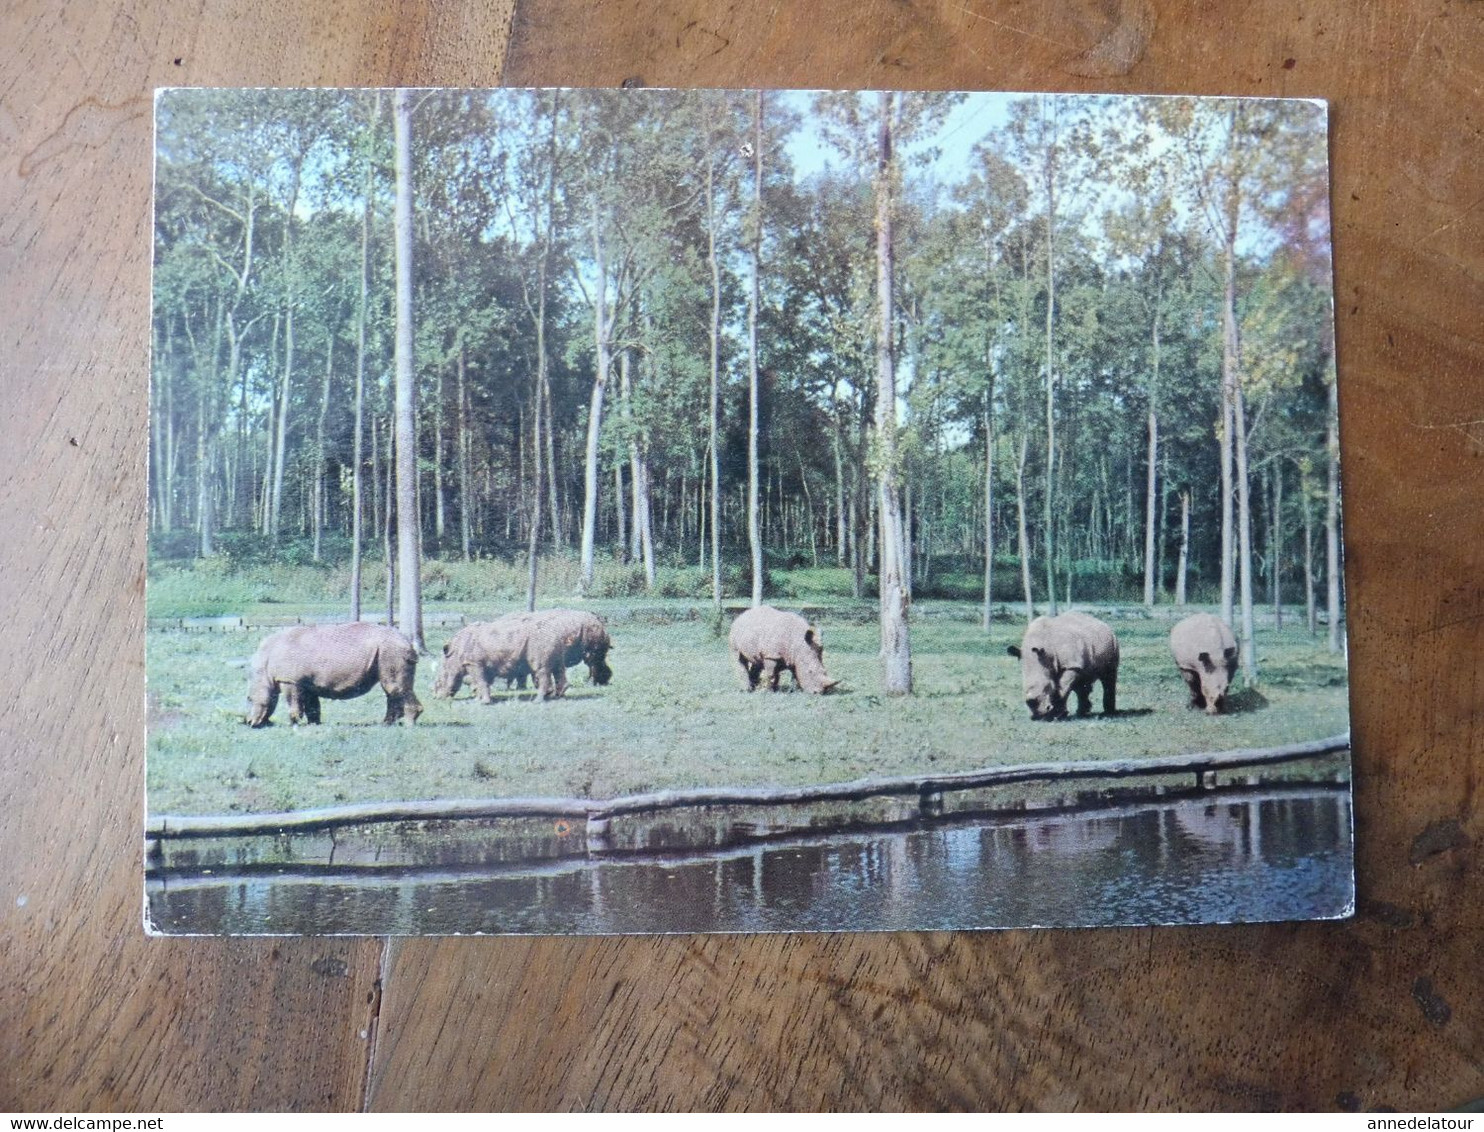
(1014, 351)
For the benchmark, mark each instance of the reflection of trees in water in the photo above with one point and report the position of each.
(1231, 829)
(1185, 861)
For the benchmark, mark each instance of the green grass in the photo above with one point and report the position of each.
(675, 716)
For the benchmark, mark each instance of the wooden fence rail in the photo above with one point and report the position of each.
(598, 811)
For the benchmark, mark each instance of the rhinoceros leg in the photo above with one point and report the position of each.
(479, 683)
(774, 670)
(1083, 690)
(296, 702)
(750, 672)
(398, 705)
(310, 703)
(1193, 682)
(1110, 694)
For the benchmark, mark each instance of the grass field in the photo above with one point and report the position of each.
(675, 716)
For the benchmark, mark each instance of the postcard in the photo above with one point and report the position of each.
(631, 511)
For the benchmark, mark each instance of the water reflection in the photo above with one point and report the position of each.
(1273, 856)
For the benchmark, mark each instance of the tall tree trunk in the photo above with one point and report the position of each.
(389, 533)
(275, 511)
(1049, 503)
(440, 507)
(701, 505)
(558, 532)
(603, 346)
(1275, 544)
(466, 490)
(158, 378)
(907, 541)
(206, 546)
(988, 509)
(264, 504)
(841, 533)
(171, 457)
(357, 488)
(714, 331)
(643, 510)
(857, 542)
(280, 443)
(377, 525)
(625, 386)
(1244, 537)
(1024, 531)
(620, 523)
(896, 645)
(644, 517)
(408, 533)
(1229, 386)
(1184, 562)
(1332, 515)
(641, 533)
(541, 401)
(240, 503)
(1151, 495)
(1306, 497)
(533, 542)
(755, 242)
(319, 447)
(1163, 513)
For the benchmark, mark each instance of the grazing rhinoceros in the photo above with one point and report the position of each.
(520, 645)
(1206, 654)
(1066, 654)
(483, 652)
(560, 638)
(336, 662)
(767, 642)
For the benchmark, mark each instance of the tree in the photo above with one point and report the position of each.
(896, 645)
(1055, 382)
(410, 619)
(1046, 138)
(754, 300)
(713, 262)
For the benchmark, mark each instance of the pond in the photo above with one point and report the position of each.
(1273, 854)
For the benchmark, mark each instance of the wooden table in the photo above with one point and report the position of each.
(1385, 1010)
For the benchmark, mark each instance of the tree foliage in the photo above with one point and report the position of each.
(1076, 285)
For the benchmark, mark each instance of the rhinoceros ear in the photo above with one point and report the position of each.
(1013, 650)
(1205, 659)
(1043, 656)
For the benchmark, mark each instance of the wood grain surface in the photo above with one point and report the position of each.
(1382, 1011)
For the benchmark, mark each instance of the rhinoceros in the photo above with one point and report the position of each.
(520, 645)
(767, 642)
(483, 652)
(1206, 654)
(335, 662)
(1066, 654)
(559, 638)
